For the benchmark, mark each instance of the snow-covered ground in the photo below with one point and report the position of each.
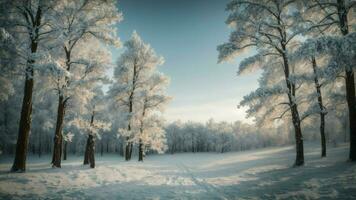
(258, 174)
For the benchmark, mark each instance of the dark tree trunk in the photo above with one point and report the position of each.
(90, 147)
(350, 82)
(299, 160)
(322, 109)
(130, 152)
(65, 150)
(127, 149)
(91, 151)
(19, 164)
(33, 148)
(351, 102)
(140, 151)
(57, 148)
(86, 153)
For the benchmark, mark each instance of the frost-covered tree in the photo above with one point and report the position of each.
(336, 20)
(134, 69)
(80, 22)
(91, 123)
(220, 137)
(314, 69)
(152, 135)
(6, 44)
(28, 24)
(269, 28)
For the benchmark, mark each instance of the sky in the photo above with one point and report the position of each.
(186, 33)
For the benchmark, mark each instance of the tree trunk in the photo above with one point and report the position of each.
(351, 103)
(19, 164)
(86, 153)
(130, 152)
(57, 148)
(322, 109)
(350, 82)
(65, 150)
(299, 160)
(127, 149)
(140, 151)
(91, 151)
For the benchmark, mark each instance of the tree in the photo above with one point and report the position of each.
(269, 27)
(321, 75)
(151, 133)
(331, 17)
(134, 68)
(79, 21)
(92, 126)
(6, 86)
(27, 22)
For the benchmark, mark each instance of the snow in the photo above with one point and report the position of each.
(257, 174)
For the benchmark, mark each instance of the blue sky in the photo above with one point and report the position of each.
(186, 33)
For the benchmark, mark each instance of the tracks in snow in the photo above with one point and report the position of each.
(214, 192)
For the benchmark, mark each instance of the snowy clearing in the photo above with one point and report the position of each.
(258, 174)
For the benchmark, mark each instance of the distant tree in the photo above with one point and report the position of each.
(152, 135)
(134, 69)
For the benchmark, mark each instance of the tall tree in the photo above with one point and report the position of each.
(28, 24)
(80, 21)
(267, 26)
(151, 135)
(134, 68)
(335, 19)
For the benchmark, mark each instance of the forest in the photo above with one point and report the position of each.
(65, 95)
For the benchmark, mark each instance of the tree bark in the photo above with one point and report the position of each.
(299, 160)
(57, 148)
(86, 153)
(65, 150)
(127, 149)
(130, 152)
(140, 151)
(91, 151)
(87, 156)
(19, 164)
(351, 103)
(349, 81)
(322, 109)
(129, 145)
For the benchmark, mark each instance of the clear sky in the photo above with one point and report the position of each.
(186, 33)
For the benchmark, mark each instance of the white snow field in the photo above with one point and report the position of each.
(259, 174)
